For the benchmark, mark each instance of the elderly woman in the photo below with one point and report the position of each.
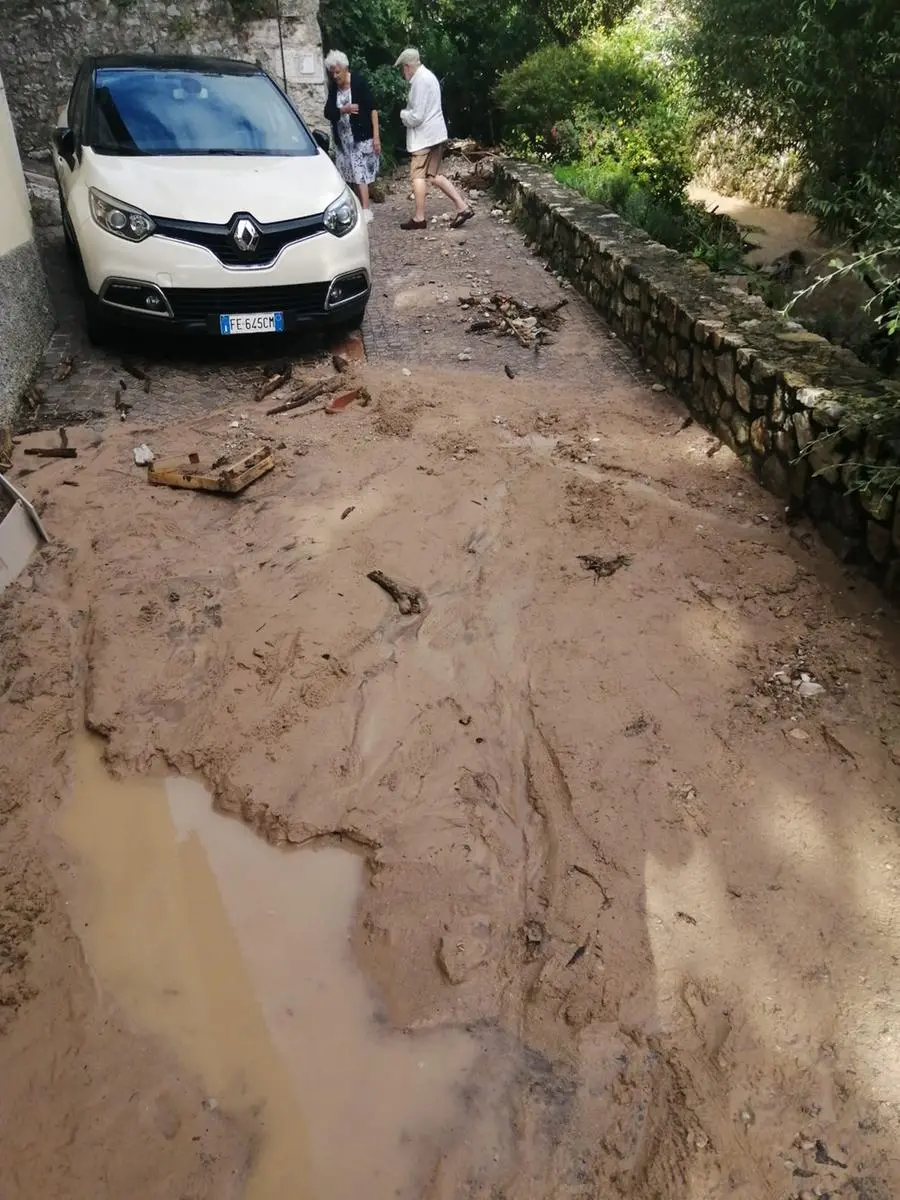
(354, 121)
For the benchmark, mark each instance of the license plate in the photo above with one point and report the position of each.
(251, 323)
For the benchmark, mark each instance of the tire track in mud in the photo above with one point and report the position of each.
(510, 793)
(443, 703)
(412, 692)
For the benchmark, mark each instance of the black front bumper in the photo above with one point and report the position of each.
(196, 311)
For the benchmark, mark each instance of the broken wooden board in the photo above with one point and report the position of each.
(228, 478)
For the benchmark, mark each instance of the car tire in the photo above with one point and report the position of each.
(68, 236)
(350, 324)
(96, 324)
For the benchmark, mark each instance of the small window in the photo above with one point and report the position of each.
(170, 112)
(77, 109)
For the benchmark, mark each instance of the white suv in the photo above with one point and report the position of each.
(194, 198)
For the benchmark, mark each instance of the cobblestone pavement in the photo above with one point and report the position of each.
(414, 316)
(420, 277)
(185, 376)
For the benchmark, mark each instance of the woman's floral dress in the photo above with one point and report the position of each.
(356, 161)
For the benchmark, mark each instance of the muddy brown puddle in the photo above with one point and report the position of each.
(237, 955)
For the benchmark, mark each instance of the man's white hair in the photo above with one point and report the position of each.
(336, 58)
(409, 58)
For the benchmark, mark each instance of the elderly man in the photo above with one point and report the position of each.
(426, 135)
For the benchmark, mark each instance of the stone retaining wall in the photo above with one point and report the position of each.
(767, 387)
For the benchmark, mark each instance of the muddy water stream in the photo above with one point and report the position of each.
(238, 956)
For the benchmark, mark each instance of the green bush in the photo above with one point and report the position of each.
(605, 77)
(610, 97)
(673, 221)
(654, 146)
(541, 93)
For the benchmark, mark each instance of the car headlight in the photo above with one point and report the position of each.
(120, 219)
(342, 215)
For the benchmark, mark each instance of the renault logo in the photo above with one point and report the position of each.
(246, 235)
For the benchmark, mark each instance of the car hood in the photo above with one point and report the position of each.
(212, 189)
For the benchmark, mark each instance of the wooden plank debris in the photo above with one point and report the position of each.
(275, 381)
(227, 478)
(63, 450)
(530, 324)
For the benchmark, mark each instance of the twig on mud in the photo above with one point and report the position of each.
(66, 367)
(134, 370)
(274, 383)
(306, 395)
(63, 450)
(530, 324)
(579, 953)
(607, 903)
(33, 397)
(408, 600)
(834, 744)
(137, 373)
(602, 567)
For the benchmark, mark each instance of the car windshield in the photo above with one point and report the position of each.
(141, 111)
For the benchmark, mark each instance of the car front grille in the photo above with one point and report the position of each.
(201, 304)
(221, 241)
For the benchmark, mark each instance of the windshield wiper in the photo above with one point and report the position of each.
(109, 148)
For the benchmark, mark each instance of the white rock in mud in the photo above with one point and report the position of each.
(143, 455)
(808, 688)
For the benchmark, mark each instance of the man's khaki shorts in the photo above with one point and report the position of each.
(426, 164)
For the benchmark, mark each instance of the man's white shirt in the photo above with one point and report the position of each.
(423, 115)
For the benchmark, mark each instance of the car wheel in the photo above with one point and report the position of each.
(68, 236)
(95, 322)
(350, 324)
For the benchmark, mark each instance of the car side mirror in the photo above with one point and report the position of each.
(65, 144)
(322, 139)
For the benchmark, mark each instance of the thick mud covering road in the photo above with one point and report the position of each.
(615, 839)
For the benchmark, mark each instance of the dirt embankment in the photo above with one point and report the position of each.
(607, 835)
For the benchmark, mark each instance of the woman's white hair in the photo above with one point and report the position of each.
(336, 58)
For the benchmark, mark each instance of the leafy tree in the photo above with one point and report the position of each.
(369, 31)
(468, 43)
(818, 76)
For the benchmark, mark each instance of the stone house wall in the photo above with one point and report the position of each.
(26, 316)
(779, 396)
(43, 41)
